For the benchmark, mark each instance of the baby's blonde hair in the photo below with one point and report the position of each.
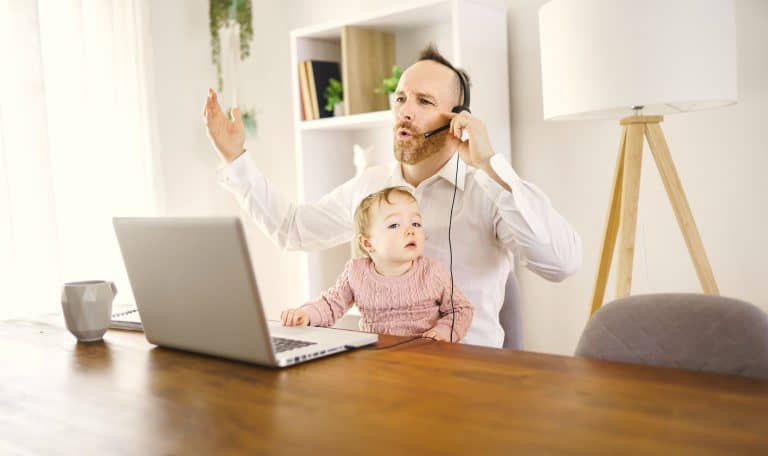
(364, 214)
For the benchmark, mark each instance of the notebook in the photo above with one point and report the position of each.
(126, 316)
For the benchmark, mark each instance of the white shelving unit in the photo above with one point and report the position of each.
(470, 33)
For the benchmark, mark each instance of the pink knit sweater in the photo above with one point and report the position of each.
(405, 305)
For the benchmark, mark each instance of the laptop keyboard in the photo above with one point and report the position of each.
(282, 344)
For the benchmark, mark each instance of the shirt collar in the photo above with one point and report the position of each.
(447, 172)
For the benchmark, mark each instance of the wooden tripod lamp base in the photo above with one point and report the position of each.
(622, 214)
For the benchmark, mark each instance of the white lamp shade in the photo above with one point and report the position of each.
(599, 58)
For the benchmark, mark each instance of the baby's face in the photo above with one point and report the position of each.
(396, 232)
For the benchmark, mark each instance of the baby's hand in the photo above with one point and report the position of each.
(295, 317)
(437, 333)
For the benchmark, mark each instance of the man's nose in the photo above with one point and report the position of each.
(404, 112)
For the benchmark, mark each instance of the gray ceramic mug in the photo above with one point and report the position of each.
(88, 308)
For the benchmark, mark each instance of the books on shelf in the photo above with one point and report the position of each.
(306, 104)
(313, 79)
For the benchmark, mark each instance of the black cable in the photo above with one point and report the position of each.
(450, 246)
(400, 343)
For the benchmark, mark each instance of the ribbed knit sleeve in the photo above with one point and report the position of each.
(334, 303)
(462, 309)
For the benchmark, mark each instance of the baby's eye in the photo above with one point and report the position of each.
(393, 226)
(416, 224)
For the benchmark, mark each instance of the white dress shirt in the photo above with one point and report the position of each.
(490, 226)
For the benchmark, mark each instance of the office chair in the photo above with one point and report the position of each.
(686, 331)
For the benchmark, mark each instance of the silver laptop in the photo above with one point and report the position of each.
(195, 290)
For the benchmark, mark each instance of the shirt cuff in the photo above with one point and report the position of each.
(515, 200)
(504, 199)
(236, 175)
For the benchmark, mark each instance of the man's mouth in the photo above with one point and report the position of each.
(403, 133)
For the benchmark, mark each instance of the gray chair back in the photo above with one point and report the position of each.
(509, 316)
(686, 331)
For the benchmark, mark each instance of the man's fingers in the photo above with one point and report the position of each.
(211, 105)
(237, 116)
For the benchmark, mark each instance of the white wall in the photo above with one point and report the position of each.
(182, 74)
(718, 153)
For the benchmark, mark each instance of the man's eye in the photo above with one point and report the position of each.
(425, 101)
(400, 99)
(416, 224)
(393, 226)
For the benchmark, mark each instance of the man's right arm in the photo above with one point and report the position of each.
(316, 226)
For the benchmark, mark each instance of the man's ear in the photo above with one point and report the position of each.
(365, 243)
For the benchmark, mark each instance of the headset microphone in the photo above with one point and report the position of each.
(456, 109)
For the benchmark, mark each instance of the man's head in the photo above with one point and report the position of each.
(427, 91)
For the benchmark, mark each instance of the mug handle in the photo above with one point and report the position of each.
(114, 288)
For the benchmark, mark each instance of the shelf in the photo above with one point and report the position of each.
(422, 13)
(470, 33)
(353, 122)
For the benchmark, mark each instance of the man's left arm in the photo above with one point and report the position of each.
(525, 220)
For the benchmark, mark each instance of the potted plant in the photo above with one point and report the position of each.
(389, 85)
(334, 97)
(229, 13)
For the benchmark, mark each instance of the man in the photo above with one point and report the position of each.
(496, 214)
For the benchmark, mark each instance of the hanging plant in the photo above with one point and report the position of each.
(223, 13)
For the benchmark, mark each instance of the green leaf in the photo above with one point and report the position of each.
(389, 85)
(334, 93)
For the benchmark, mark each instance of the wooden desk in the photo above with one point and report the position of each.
(125, 396)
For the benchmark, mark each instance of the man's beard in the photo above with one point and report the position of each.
(416, 148)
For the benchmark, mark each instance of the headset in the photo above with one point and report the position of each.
(464, 106)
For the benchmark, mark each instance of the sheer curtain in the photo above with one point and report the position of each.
(75, 145)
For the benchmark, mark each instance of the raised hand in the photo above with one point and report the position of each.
(477, 150)
(227, 136)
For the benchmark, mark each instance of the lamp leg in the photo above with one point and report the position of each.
(680, 206)
(630, 193)
(611, 228)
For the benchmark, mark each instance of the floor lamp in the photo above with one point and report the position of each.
(637, 61)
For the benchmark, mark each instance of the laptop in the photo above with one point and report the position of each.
(195, 290)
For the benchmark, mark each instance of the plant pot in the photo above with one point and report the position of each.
(338, 109)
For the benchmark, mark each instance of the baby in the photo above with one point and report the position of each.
(397, 290)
